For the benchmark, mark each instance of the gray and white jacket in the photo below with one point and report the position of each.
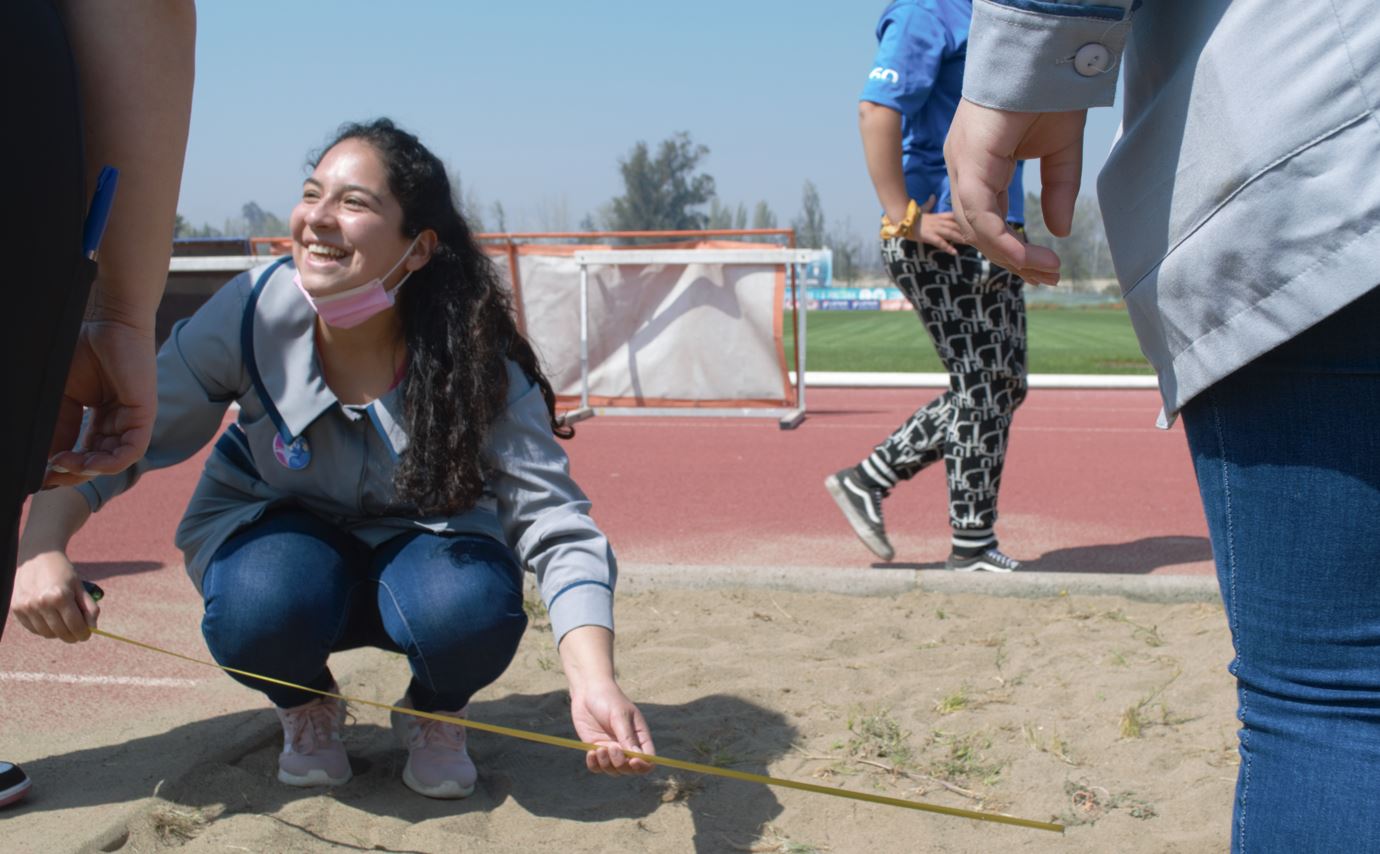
(253, 344)
(1242, 196)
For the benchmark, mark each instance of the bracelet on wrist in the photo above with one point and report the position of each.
(902, 228)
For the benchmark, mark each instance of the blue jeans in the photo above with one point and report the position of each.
(1287, 454)
(286, 592)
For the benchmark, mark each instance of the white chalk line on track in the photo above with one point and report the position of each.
(74, 679)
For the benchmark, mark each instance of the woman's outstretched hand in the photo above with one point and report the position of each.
(603, 715)
(601, 712)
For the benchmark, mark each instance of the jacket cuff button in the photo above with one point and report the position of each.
(1092, 59)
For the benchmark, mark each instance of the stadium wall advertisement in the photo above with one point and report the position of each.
(816, 285)
(852, 299)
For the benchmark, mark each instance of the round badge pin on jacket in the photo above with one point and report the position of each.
(295, 456)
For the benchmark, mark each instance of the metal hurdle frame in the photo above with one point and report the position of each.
(788, 418)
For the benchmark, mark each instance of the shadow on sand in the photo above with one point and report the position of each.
(544, 781)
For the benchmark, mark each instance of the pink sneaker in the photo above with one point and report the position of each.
(438, 765)
(313, 751)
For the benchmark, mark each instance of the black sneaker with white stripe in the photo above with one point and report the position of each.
(14, 783)
(861, 504)
(991, 560)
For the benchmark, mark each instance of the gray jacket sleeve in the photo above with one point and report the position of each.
(1045, 55)
(199, 373)
(545, 516)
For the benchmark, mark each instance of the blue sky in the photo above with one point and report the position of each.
(532, 104)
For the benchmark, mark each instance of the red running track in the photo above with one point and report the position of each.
(1090, 486)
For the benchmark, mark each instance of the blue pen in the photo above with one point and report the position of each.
(99, 215)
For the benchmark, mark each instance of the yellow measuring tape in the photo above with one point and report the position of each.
(557, 741)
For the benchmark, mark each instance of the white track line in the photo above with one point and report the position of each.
(73, 679)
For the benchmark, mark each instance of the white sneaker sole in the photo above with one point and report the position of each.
(879, 547)
(317, 777)
(449, 790)
(982, 565)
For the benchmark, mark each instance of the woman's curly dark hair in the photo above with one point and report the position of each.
(459, 329)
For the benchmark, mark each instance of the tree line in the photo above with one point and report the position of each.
(664, 188)
(253, 221)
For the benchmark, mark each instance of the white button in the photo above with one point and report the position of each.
(1092, 59)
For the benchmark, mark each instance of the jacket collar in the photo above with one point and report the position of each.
(279, 345)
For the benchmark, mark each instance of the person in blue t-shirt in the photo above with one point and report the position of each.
(972, 308)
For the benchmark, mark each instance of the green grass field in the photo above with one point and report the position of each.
(1062, 341)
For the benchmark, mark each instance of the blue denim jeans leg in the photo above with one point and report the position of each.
(286, 592)
(1287, 454)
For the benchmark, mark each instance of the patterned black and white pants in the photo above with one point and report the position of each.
(975, 314)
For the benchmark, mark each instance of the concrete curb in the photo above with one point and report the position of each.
(640, 577)
(634, 578)
(1165, 589)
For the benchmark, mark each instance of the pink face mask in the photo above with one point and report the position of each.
(349, 309)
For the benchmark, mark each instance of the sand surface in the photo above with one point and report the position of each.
(1112, 716)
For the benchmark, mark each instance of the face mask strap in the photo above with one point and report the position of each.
(401, 261)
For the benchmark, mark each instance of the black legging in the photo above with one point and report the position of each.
(46, 278)
(975, 314)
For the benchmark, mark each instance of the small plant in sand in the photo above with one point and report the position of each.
(1072, 611)
(1150, 635)
(1000, 663)
(953, 702)
(1054, 745)
(1131, 724)
(1134, 720)
(965, 761)
(1088, 803)
(713, 751)
(876, 735)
